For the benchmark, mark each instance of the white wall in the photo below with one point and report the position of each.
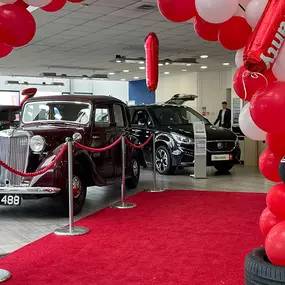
(118, 89)
(209, 86)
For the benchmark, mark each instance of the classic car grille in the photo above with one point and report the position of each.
(220, 146)
(14, 150)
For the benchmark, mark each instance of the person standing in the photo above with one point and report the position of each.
(224, 117)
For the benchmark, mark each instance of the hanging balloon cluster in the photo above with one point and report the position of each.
(17, 25)
(255, 29)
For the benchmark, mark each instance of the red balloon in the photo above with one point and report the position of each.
(252, 82)
(17, 25)
(275, 200)
(269, 165)
(275, 143)
(177, 10)
(205, 30)
(234, 33)
(275, 244)
(21, 3)
(266, 40)
(267, 108)
(54, 5)
(5, 50)
(152, 58)
(267, 221)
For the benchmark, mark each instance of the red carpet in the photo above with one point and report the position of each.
(171, 238)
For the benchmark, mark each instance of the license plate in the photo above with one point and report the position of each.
(10, 200)
(221, 157)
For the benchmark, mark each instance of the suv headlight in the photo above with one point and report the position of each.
(182, 139)
(37, 143)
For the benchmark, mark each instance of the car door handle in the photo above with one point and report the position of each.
(95, 137)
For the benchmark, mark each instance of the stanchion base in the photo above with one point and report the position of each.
(76, 231)
(123, 205)
(154, 190)
(4, 275)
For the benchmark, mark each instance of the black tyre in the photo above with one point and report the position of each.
(132, 182)
(79, 190)
(259, 271)
(223, 168)
(163, 161)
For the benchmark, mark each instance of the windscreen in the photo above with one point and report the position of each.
(172, 115)
(76, 112)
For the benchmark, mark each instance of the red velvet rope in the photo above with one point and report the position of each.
(138, 146)
(90, 149)
(33, 174)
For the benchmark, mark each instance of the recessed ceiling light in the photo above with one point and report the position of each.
(226, 63)
(184, 70)
(167, 63)
(204, 67)
(118, 61)
(141, 62)
(126, 70)
(166, 72)
(141, 67)
(204, 56)
(111, 73)
(188, 64)
(136, 77)
(123, 79)
(160, 64)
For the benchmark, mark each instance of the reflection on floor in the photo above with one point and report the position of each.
(35, 219)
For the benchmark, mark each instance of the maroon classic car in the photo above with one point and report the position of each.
(45, 123)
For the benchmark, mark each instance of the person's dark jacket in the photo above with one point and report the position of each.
(227, 119)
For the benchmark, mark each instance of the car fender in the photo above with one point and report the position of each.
(136, 152)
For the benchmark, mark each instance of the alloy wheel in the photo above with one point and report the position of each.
(161, 160)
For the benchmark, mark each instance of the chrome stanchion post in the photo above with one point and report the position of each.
(71, 230)
(122, 204)
(154, 167)
(4, 275)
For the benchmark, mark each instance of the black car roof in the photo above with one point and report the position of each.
(95, 99)
(156, 105)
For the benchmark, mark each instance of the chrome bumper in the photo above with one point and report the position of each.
(18, 190)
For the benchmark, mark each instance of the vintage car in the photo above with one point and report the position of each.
(173, 124)
(45, 123)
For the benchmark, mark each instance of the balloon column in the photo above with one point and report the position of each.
(17, 24)
(255, 29)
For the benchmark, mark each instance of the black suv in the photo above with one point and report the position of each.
(172, 123)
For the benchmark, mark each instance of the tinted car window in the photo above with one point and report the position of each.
(141, 117)
(119, 116)
(170, 115)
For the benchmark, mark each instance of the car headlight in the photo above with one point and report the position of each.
(182, 139)
(37, 143)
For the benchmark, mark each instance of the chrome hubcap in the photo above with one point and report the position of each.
(76, 186)
(135, 168)
(161, 160)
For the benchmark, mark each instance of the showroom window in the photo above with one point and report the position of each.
(119, 116)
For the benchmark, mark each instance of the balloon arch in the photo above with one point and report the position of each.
(255, 29)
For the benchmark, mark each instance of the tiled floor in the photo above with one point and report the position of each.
(34, 219)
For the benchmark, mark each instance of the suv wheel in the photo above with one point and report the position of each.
(163, 162)
(79, 190)
(223, 168)
(132, 182)
(259, 271)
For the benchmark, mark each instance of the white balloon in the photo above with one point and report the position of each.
(216, 11)
(278, 68)
(248, 127)
(239, 57)
(8, 1)
(38, 3)
(254, 11)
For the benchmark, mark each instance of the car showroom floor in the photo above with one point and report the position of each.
(35, 219)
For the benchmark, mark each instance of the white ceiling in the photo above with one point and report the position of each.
(83, 40)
